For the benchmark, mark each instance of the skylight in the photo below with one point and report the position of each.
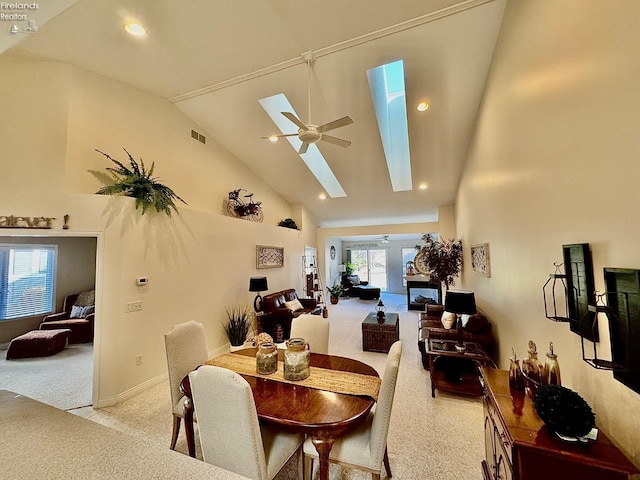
(386, 84)
(274, 106)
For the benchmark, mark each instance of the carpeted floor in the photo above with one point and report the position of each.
(430, 438)
(63, 380)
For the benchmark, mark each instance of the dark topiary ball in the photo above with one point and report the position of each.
(563, 411)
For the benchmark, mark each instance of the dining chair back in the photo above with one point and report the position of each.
(230, 434)
(314, 329)
(365, 447)
(186, 348)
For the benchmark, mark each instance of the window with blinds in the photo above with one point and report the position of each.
(27, 280)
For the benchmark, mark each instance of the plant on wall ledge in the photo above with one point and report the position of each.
(288, 223)
(139, 183)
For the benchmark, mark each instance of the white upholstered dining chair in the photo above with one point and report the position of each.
(186, 348)
(230, 434)
(314, 329)
(365, 447)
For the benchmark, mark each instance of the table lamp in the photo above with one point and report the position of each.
(460, 303)
(258, 284)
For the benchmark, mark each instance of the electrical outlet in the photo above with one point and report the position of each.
(133, 306)
(138, 359)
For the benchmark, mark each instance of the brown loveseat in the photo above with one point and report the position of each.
(77, 315)
(276, 313)
(477, 329)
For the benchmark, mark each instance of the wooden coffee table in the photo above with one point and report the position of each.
(454, 371)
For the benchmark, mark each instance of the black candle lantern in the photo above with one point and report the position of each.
(380, 308)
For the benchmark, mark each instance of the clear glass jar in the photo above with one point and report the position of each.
(296, 359)
(267, 358)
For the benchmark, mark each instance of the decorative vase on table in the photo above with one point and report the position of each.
(266, 358)
(296, 359)
(532, 370)
(551, 370)
(516, 381)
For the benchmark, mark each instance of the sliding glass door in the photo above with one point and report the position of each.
(371, 266)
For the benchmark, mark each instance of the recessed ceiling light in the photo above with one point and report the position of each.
(423, 186)
(273, 138)
(422, 106)
(135, 29)
(322, 196)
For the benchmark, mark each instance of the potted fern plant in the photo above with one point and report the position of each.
(238, 325)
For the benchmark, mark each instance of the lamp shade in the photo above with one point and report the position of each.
(342, 268)
(258, 284)
(460, 302)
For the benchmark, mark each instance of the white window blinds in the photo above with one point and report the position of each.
(27, 280)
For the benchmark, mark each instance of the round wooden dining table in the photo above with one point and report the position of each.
(322, 415)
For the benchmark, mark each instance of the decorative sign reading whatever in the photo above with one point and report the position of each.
(11, 221)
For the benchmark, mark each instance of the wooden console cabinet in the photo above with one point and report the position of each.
(519, 447)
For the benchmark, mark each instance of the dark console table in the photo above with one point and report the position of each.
(421, 282)
(519, 446)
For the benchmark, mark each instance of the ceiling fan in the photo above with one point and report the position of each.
(310, 133)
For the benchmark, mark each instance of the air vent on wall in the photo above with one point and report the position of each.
(198, 136)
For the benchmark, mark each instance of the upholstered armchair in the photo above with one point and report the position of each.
(77, 315)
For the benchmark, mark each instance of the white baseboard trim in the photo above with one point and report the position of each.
(152, 382)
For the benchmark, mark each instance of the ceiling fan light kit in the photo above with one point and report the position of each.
(309, 133)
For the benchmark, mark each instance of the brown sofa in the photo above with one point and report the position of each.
(275, 313)
(477, 329)
(81, 326)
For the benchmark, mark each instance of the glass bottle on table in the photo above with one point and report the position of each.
(516, 381)
(551, 370)
(532, 370)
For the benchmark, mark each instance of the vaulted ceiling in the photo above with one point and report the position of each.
(215, 58)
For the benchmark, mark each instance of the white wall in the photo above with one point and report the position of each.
(198, 262)
(555, 161)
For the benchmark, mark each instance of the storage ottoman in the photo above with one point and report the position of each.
(378, 337)
(38, 343)
(367, 292)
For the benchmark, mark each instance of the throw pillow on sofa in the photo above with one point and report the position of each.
(86, 299)
(294, 305)
(448, 320)
(81, 312)
(476, 323)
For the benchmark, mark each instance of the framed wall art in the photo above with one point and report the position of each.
(269, 257)
(480, 259)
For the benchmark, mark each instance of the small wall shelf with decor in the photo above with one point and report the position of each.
(312, 281)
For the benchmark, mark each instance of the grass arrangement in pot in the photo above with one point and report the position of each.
(238, 325)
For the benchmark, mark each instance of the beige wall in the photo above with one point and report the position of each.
(198, 263)
(555, 161)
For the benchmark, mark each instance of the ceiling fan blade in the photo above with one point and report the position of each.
(281, 135)
(303, 148)
(341, 122)
(295, 120)
(336, 141)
